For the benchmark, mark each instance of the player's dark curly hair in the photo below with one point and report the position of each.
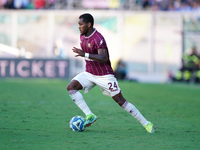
(87, 18)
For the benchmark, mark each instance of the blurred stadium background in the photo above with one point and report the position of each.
(150, 36)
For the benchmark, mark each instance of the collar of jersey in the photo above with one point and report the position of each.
(91, 34)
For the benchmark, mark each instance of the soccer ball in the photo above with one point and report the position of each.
(77, 123)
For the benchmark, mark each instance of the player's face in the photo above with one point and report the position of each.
(83, 27)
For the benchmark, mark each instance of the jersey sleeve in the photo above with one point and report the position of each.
(101, 43)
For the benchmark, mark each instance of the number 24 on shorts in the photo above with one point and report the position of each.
(113, 86)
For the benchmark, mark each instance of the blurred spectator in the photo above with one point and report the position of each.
(39, 4)
(196, 6)
(58, 49)
(146, 4)
(171, 7)
(2, 3)
(190, 67)
(30, 5)
(185, 7)
(21, 4)
(163, 4)
(121, 71)
(9, 4)
(50, 4)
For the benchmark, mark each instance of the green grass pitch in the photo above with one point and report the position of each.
(35, 114)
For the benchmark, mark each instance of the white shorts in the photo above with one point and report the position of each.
(107, 83)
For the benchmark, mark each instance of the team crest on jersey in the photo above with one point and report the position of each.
(89, 45)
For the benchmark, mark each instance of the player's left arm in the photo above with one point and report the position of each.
(102, 55)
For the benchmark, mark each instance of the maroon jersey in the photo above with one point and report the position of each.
(91, 45)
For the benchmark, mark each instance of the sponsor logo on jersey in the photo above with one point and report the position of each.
(101, 42)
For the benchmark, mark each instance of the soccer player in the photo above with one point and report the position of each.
(98, 72)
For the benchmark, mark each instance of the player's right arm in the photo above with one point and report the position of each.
(102, 55)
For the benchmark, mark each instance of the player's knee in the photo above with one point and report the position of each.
(68, 87)
(74, 85)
